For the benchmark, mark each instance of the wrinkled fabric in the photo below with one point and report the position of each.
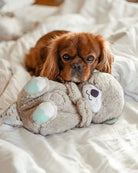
(99, 148)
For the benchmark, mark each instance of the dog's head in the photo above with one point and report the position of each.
(74, 56)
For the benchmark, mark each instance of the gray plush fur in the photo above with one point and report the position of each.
(70, 104)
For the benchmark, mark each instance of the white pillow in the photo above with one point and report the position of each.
(12, 5)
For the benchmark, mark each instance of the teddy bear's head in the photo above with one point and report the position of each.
(105, 95)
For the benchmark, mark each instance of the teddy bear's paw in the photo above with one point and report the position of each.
(36, 85)
(44, 112)
(111, 121)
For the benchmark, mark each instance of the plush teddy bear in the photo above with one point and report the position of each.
(47, 107)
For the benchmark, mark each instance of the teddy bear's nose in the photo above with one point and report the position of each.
(94, 93)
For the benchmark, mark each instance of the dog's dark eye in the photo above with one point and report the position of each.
(90, 58)
(66, 57)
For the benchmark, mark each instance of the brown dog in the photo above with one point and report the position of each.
(66, 56)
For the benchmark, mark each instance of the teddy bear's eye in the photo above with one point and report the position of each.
(94, 93)
(66, 57)
(90, 58)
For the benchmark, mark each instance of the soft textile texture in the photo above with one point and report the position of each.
(99, 148)
(48, 107)
(8, 5)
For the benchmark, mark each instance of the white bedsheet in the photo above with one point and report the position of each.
(98, 148)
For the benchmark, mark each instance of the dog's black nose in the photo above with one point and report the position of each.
(76, 66)
(94, 93)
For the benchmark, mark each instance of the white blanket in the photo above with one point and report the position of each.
(99, 148)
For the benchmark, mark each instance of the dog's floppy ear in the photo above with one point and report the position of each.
(50, 68)
(33, 61)
(106, 57)
(37, 55)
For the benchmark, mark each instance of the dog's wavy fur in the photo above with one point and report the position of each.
(46, 58)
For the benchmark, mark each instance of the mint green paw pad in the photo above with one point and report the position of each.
(112, 121)
(35, 85)
(44, 112)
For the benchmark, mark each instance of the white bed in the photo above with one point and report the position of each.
(98, 148)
